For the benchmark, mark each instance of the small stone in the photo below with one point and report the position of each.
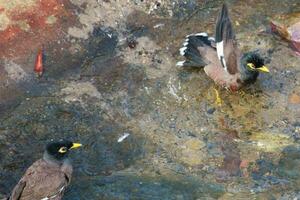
(131, 43)
(294, 99)
(172, 125)
(211, 110)
(51, 19)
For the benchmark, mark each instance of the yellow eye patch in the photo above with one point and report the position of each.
(63, 150)
(251, 66)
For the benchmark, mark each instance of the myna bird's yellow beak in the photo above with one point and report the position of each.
(263, 69)
(75, 145)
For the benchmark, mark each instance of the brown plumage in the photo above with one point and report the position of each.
(220, 56)
(48, 177)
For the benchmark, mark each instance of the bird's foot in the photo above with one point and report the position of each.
(218, 100)
(241, 93)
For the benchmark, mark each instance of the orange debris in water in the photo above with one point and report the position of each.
(38, 68)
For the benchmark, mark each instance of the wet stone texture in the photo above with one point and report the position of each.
(110, 70)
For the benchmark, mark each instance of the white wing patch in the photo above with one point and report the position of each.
(220, 52)
(182, 50)
(203, 34)
(211, 39)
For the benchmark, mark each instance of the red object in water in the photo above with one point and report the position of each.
(290, 34)
(38, 68)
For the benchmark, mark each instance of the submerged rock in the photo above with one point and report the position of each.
(289, 164)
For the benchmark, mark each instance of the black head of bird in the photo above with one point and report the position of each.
(251, 64)
(220, 56)
(59, 150)
(255, 62)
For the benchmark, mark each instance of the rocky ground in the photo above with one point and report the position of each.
(110, 70)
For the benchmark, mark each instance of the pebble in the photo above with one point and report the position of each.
(211, 110)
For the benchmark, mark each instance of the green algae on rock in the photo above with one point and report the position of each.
(270, 142)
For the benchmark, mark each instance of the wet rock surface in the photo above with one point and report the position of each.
(110, 70)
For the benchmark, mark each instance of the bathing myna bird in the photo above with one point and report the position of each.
(220, 57)
(47, 178)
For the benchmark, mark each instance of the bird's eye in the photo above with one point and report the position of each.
(63, 150)
(251, 66)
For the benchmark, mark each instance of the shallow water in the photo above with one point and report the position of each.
(116, 74)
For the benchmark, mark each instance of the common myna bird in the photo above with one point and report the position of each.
(220, 57)
(47, 178)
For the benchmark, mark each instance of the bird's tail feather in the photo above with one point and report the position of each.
(190, 50)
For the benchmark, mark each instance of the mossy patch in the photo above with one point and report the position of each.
(271, 142)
